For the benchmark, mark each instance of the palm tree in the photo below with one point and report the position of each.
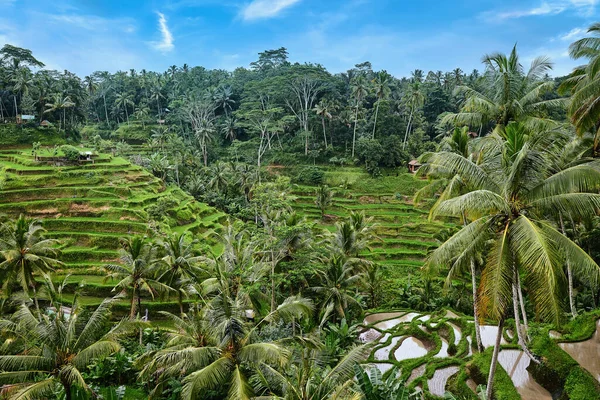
(122, 101)
(510, 194)
(323, 199)
(137, 273)
(141, 114)
(229, 128)
(224, 100)
(215, 348)
(155, 94)
(205, 134)
(584, 85)
(180, 267)
(26, 253)
(60, 103)
(22, 80)
(322, 110)
(338, 282)
(415, 99)
(360, 90)
(510, 94)
(381, 84)
(56, 350)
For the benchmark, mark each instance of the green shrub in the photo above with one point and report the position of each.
(71, 153)
(310, 175)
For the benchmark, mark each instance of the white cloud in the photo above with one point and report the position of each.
(573, 34)
(166, 44)
(583, 7)
(93, 22)
(259, 9)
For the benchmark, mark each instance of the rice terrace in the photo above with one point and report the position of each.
(352, 216)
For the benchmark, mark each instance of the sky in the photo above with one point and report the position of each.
(396, 35)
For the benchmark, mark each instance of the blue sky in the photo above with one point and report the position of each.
(396, 35)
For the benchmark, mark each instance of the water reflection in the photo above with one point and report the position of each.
(410, 348)
(488, 335)
(437, 384)
(515, 362)
(586, 353)
(384, 352)
(370, 319)
(385, 325)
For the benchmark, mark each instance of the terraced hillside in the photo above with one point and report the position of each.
(405, 233)
(91, 205)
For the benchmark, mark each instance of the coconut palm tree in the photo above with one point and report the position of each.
(322, 110)
(323, 199)
(22, 80)
(60, 103)
(136, 273)
(381, 85)
(584, 86)
(141, 114)
(509, 196)
(56, 350)
(224, 100)
(25, 254)
(215, 348)
(510, 94)
(360, 90)
(415, 100)
(122, 102)
(180, 266)
(230, 127)
(338, 282)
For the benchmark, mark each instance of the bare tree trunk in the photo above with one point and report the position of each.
(133, 305)
(407, 129)
(127, 115)
(494, 363)
(16, 109)
(569, 275)
(324, 133)
(525, 323)
(522, 336)
(375, 125)
(354, 135)
(105, 109)
(476, 308)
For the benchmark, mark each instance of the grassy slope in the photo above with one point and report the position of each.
(90, 207)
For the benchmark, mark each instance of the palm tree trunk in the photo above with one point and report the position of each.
(324, 133)
(476, 308)
(522, 336)
(525, 323)
(127, 115)
(354, 134)
(375, 125)
(569, 275)
(407, 129)
(67, 388)
(158, 106)
(16, 110)
(133, 305)
(494, 363)
(105, 109)
(35, 300)
(180, 301)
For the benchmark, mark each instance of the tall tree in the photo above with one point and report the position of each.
(381, 85)
(360, 90)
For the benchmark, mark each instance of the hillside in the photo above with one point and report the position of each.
(91, 205)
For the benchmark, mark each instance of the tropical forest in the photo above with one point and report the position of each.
(281, 231)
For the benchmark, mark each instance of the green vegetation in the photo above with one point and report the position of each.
(263, 233)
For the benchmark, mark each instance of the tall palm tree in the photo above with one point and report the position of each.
(123, 101)
(22, 80)
(509, 196)
(215, 348)
(60, 103)
(509, 94)
(381, 84)
(322, 110)
(584, 86)
(25, 254)
(141, 114)
(360, 90)
(136, 273)
(56, 350)
(224, 100)
(180, 266)
(415, 100)
(337, 287)
(230, 128)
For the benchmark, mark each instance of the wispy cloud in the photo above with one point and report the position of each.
(93, 22)
(584, 7)
(260, 9)
(573, 34)
(166, 43)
